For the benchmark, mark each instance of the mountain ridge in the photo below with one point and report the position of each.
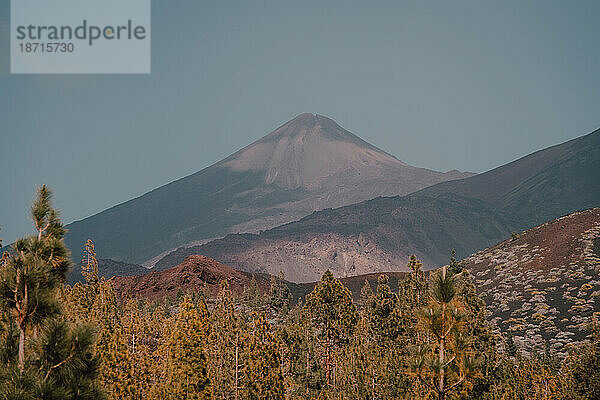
(509, 186)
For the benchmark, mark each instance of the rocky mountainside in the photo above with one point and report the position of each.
(543, 286)
(541, 186)
(309, 163)
(378, 235)
(375, 236)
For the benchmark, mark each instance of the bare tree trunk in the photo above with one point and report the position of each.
(442, 356)
(441, 384)
(373, 382)
(237, 386)
(307, 368)
(334, 371)
(328, 365)
(21, 348)
(21, 315)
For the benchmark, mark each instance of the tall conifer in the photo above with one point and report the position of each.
(262, 370)
(334, 316)
(53, 359)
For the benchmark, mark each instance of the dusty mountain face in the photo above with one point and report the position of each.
(378, 235)
(314, 153)
(543, 286)
(307, 164)
(374, 236)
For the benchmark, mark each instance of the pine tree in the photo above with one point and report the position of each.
(187, 375)
(95, 301)
(225, 345)
(384, 317)
(140, 336)
(359, 369)
(117, 369)
(262, 370)
(483, 341)
(31, 278)
(529, 378)
(334, 316)
(89, 269)
(383, 313)
(448, 361)
(52, 358)
(366, 292)
(82, 298)
(303, 374)
(279, 296)
(252, 295)
(413, 294)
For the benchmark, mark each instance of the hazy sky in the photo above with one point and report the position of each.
(449, 84)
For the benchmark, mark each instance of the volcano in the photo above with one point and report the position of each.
(309, 163)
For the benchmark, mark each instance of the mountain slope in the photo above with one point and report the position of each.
(307, 164)
(468, 215)
(374, 236)
(541, 186)
(543, 286)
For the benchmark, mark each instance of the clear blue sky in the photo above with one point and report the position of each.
(448, 84)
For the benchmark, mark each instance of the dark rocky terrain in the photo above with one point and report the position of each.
(309, 163)
(375, 236)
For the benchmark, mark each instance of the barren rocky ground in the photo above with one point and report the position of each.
(543, 286)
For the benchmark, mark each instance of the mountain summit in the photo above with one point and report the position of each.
(308, 150)
(307, 164)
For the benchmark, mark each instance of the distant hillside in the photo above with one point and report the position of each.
(198, 273)
(378, 235)
(109, 268)
(539, 187)
(307, 164)
(543, 286)
(375, 236)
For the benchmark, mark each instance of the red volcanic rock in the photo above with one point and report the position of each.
(196, 272)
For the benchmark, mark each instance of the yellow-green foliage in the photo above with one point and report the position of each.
(262, 371)
(187, 376)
